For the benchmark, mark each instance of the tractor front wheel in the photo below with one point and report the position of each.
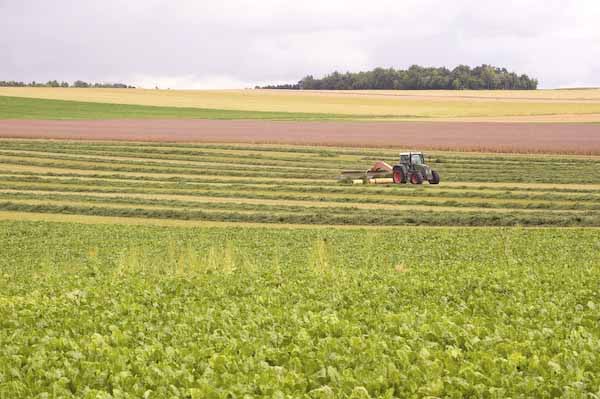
(399, 177)
(435, 177)
(416, 178)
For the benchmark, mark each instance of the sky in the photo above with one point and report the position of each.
(185, 44)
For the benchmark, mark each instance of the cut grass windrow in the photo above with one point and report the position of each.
(384, 191)
(321, 197)
(289, 152)
(453, 167)
(568, 170)
(226, 170)
(30, 173)
(379, 219)
(247, 204)
(287, 184)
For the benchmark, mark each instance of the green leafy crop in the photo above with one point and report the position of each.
(106, 311)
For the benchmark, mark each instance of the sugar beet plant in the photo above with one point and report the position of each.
(97, 311)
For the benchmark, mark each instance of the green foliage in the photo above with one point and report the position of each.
(55, 83)
(98, 311)
(35, 108)
(109, 311)
(484, 77)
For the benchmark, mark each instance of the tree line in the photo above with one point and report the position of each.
(55, 83)
(484, 77)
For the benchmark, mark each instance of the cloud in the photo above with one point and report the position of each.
(240, 43)
(193, 82)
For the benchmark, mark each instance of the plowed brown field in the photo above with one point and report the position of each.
(484, 136)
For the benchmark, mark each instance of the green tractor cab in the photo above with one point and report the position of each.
(412, 168)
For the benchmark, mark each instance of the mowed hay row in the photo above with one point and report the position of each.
(37, 174)
(486, 170)
(392, 193)
(189, 153)
(171, 165)
(267, 151)
(559, 173)
(265, 204)
(202, 162)
(262, 151)
(28, 170)
(355, 218)
(449, 189)
(478, 173)
(446, 198)
(460, 190)
(327, 158)
(443, 217)
(519, 169)
(157, 167)
(292, 185)
(453, 167)
(355, 211)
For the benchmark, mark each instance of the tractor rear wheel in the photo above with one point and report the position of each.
(399, 177)
(435, 177)
(416, 178)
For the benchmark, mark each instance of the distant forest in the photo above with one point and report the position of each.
(484, 77)
(55, 83)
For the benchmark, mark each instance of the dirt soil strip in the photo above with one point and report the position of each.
(484, 136)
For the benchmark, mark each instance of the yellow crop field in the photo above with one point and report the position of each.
(540, 105)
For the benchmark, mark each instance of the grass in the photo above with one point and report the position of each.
(35, 108)
(281, 209)
(286, 195)
(219, 194)
(583, 106)
(431, 217)
(157, 270)
(142, 311)
(466, 168)
(291, 185)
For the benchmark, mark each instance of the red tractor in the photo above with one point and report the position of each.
(411, 168)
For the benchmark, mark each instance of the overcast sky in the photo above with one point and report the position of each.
(239, 43)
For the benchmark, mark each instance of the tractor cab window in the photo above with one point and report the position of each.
(404, 158)
(416, 159)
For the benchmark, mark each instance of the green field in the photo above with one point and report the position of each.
(37, 108)
(155, 270)
(129, 312)
(484, 105)
(292, 185)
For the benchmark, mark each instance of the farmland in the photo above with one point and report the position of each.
(291, 185)
(571, 138)
(38, 108)
(552, 121)
(122, 311)
(504, 106)
(165, 256)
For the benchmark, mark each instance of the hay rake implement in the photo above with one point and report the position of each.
(411, 168)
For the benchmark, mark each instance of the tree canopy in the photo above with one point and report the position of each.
(484, 77)
(55, 83)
